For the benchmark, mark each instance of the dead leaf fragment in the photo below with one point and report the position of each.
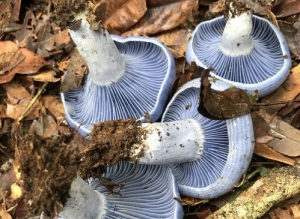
(10, 56)
(31, 64)
(119, 15)
(176, 40)
(48, 75)
(289, 212)
(45, 126)
(75, 73)
(262, 130)
(162, 18)
(291, 32)
(287, 8)
(227, 104)
(55, 106)
(283, 93)
(265, 151)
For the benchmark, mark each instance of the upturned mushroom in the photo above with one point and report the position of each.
(127, 77)
(245, 50)
(208, 157)
(146, 192)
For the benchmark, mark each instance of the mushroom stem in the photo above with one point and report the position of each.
(169, 142)
(83, 197)
(237, 36)
(99, 52)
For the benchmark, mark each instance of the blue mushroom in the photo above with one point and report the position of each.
(245, 50)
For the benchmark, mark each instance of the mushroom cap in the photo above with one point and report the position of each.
(148, 193)
(263, 69)
(228, 146)
(144, 88)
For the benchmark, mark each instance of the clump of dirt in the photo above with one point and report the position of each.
(111, 142)
(48, 167)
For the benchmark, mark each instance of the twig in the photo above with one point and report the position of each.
(275, 103)
(279, 185)
(32, 102)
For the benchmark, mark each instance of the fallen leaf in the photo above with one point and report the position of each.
(289, 212)
(176, 40)
(291, 32)
(227, 104)
(265, 151)
(289, 108)
(31, 64)
(287, 8)
(192, 201)
(4, 214)
(286, 146)
(262, 130)
(55, 106)
(18, 99)
(119, 15)
(287, 91)
(45, 126)
(285, 129)
(10, 56)
(49, 43)
(155, 3)
(25, 36)
(162, 18)
(74, 77)
(48, 75)
(295, 120)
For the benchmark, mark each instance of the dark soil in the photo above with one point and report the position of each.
(48, 167)
(111, 142)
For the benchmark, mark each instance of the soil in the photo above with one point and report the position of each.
(48, 167)
(111, 142)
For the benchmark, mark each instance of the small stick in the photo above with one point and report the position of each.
(275, 103)
(32, 101)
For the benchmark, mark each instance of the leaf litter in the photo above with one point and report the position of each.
(37, 48)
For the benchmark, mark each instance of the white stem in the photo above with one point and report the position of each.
(84, 202)
(105, 63)
(237, 35)
(170, 142)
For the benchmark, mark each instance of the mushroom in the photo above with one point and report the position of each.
(208, 157)
(147, 192)
(246, 50)
(128, 77)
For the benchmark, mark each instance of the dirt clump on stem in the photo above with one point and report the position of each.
(112, 141)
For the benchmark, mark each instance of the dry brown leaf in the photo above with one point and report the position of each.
(287, 91)
(10, 56)
(192, 201)
(289, 108)
(287, 8)
(176, 40)
(55, 106)
(75, 73)
(291, 32)
(18, 99)
(162, 18)
(119, 15)
(285, 129)
(31, 64)
(289, 212)
(48, 75)
(4, 214)
(49, 43)
(262, 130)
(288, 142)
(45, 126)
(265, 151)
(25, 36)
(155, 3)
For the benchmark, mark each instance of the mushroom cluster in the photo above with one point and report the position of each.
(131, 77)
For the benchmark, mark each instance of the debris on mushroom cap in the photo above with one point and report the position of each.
(138, 191)
(252, 60)
(228, 146)
(144, 87)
